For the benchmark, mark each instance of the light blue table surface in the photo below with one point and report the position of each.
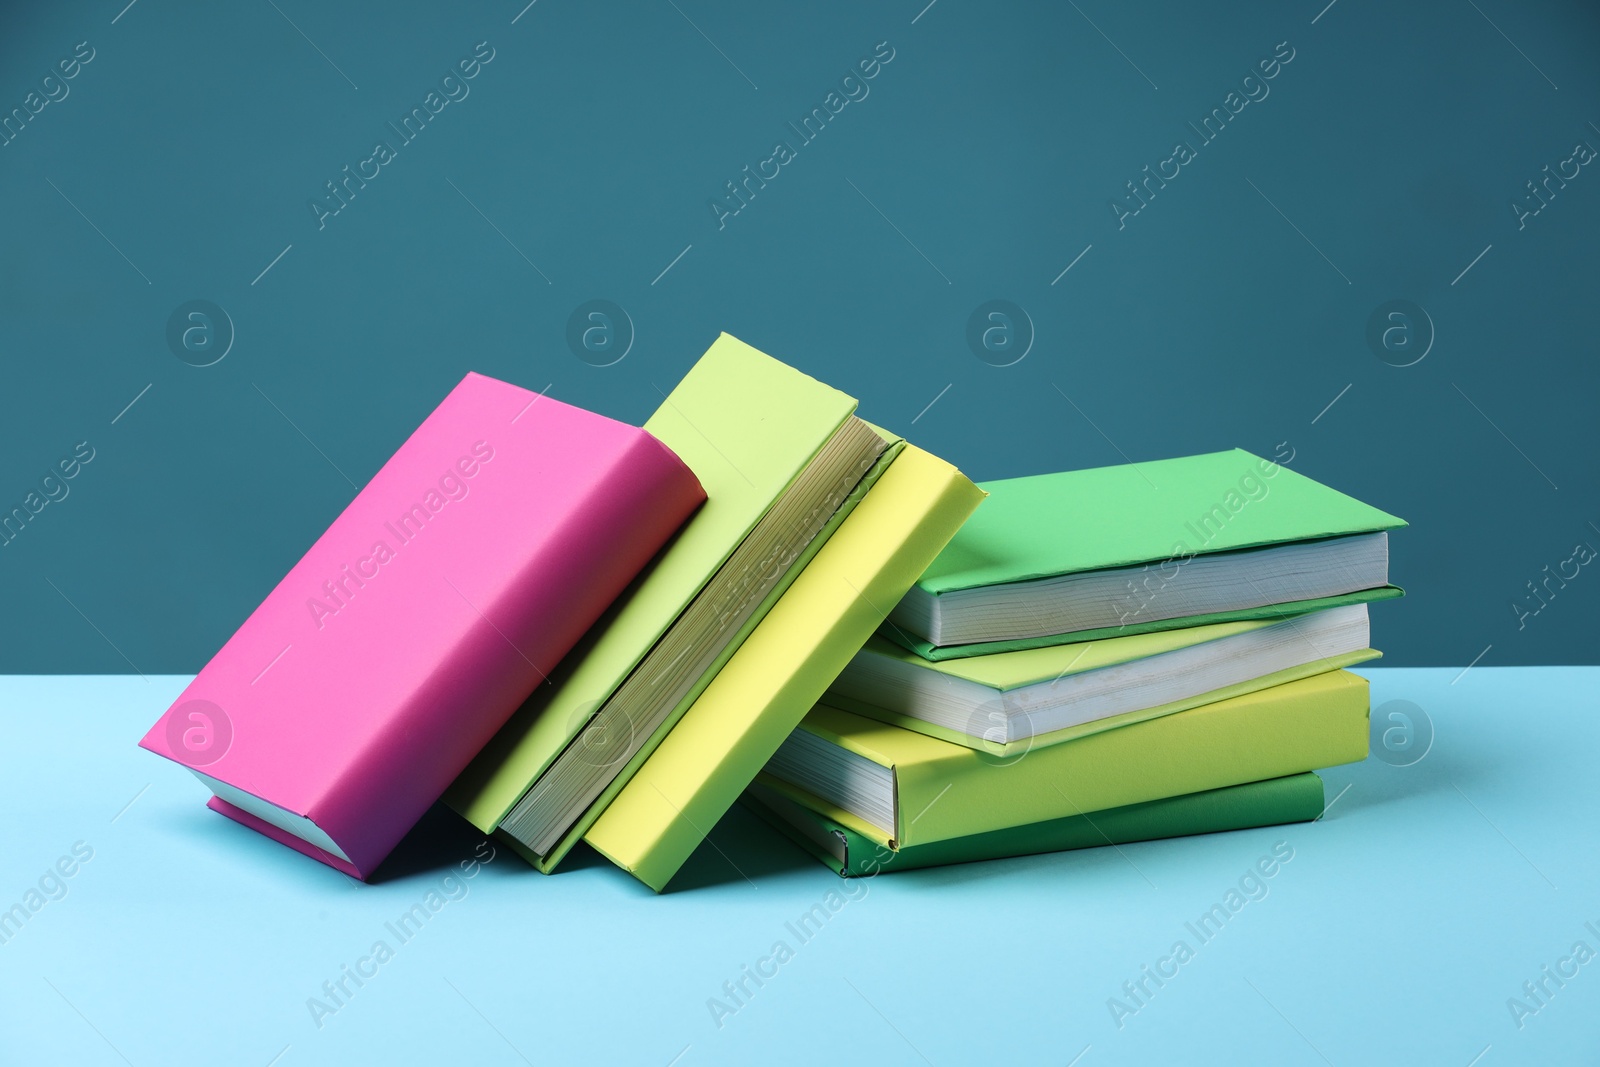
(1403, 925)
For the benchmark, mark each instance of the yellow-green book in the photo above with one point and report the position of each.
(901, 788)
(719, 745)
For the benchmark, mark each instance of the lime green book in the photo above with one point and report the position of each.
(1292, 798)
(782, 459)
(1008, 702)
(901, 788)
(718, 747)
(1143, 547)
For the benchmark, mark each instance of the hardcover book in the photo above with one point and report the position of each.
(901, 788)
(755, 701)
(448, 589)
(1142, 547)
(1293, 798)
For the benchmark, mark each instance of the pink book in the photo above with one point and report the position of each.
(445, 592)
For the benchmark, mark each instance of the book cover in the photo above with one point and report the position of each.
(747, 425)
(1293, 798)
(448, 589)
(721, 743)
(1072, 521)
(943, 790)
(1159, 513)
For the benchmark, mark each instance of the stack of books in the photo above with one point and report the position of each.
(1099, 656)
(571, 630)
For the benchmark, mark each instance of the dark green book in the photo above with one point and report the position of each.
(1295, 798)
(1140, 547)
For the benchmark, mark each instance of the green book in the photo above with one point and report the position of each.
(901, 788)
(782, 459)
(1293, 798)
(1143, 547)
(1007, 702)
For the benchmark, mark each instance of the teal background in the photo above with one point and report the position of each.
(1230, 311)
(1407, 918)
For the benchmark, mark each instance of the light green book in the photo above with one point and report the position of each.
(754, 431)
(1008, 702)
(1143, 547)
(1293, 798)
(901, 788)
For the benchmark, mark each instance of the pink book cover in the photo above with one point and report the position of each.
(447, 590)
